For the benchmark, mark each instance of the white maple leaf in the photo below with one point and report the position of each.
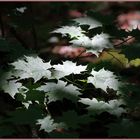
(95, 44)
(73, 31)
(103, 79)
(32, 67)
(48, 125)
(21, 9)
(58, 91)
(12, 87)
(67, 68)
(88, 21)
(113, 106)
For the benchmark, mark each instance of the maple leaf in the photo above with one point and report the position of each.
(32, 67)
(12, 87)
(67, 68)
(73, 31)
(48, 125)
(21, 9)
(103, 79)
(77, 121)
(58, 91)
(95, 44)
(113, 106)
(88, 21)
(115, 58)
(135, 62)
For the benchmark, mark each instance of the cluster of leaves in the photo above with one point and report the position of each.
(69, 100)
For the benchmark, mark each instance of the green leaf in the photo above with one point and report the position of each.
(115, 58)
(104, 19)
(26, 116)
(114, 32)
(59, 91)
(131, 51)
(85, 27)
(94, 31)
(33, 95)
(72, 120)
(131, 95)
(135, 33)
(135, 62)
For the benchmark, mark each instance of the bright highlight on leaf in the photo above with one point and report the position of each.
(135, 62)
(21, 9)
(32, 67)
(67, 68)
(88, 21)
(48, 125)
(73, 31)
(103, 79)
(11, 87)
(115, 58)
(95, 44)
(113, 106)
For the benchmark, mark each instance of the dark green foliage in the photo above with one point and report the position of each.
(131, 51)
(124, 128)
(104, 19)
(28, 32)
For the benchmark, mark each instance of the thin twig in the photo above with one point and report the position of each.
(77, 57)
(123, 41)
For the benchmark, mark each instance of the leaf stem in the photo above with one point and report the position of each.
(73, 82)
(116, 58)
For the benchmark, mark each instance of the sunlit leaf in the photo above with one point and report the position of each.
(95, 106)
(12, 87)
(67, 68)
(135, 62)
(32, 67)
(47, 124)
(103, 79)
(115, 58)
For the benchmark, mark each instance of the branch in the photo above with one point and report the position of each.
(123, 41)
